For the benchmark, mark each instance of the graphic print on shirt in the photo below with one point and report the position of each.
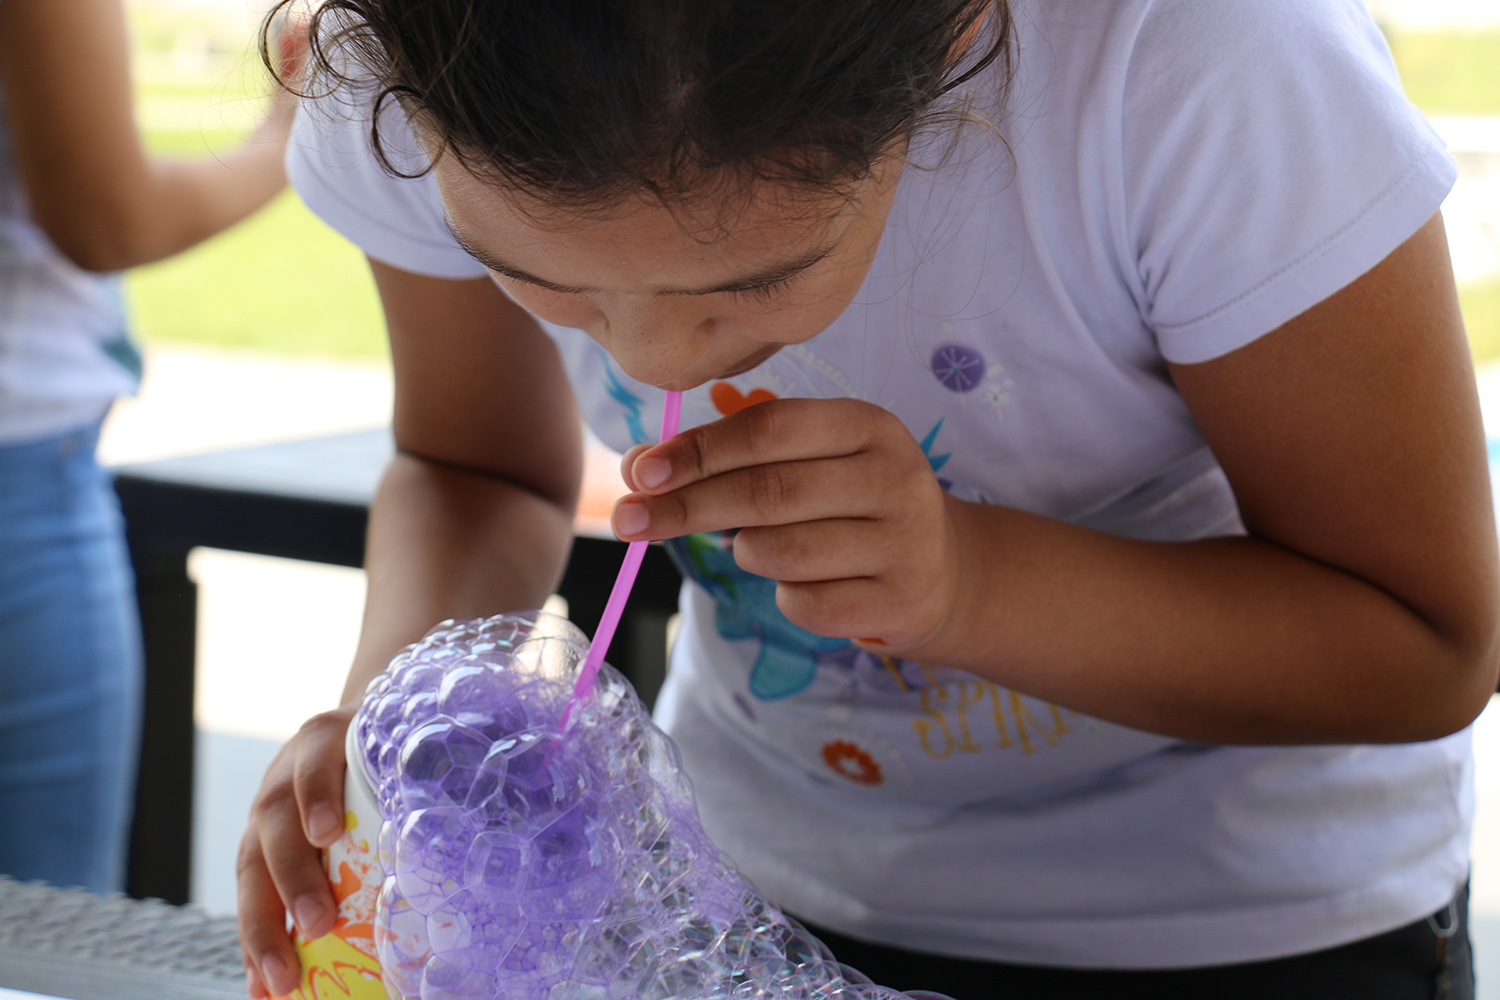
(961, 369)
(976, 705)
(746, 609)
(939, 714)
(789, 655)
(727, 399)
(629, 402)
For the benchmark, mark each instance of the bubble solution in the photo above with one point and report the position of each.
(525, 863)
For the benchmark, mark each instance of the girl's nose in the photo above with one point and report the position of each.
(656, 340)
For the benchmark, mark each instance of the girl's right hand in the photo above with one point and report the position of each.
(296, 813)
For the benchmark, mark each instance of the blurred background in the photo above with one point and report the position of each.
(272, 331)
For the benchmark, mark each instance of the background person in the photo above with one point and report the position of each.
(79, 201)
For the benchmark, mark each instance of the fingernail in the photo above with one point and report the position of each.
(273, 970)
(322, 823)
(631, 519)
(308, 911)
(873, 642)
(652, 472)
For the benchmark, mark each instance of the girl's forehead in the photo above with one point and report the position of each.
(705, 242)
(727, 211)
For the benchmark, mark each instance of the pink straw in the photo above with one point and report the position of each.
(635, 553)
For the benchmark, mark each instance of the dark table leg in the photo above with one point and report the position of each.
(161, 840)
(639, 648)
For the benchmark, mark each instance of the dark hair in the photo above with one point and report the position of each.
(582, 102)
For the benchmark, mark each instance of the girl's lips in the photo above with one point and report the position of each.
(686, 383)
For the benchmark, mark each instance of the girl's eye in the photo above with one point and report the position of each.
(762, 293)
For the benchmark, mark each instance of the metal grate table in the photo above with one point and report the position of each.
(71, 943)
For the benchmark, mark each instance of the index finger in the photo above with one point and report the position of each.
(780, 430)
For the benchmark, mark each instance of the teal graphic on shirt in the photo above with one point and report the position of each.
(935, 461)
(629, 402)
(745, 608)
(744, 603)
(123, 352)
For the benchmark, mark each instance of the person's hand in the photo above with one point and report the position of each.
(287, 48)
(287, 45)
(835, 500)
(297, 811)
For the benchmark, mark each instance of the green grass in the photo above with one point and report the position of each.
(281, 282)
(1481, 305)
(1458, 73)
(1450, 72)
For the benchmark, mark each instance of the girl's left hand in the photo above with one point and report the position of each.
(833, 498)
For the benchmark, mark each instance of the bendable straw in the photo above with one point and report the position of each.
(635, 553)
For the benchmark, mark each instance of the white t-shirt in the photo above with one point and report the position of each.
(1181, 177)
(64, 353)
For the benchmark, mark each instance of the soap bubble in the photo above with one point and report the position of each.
(526, 863)
(400, 940)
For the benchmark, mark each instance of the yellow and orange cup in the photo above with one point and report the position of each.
(342, 963)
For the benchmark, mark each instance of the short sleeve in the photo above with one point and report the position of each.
(397, 221)
(1271, 158)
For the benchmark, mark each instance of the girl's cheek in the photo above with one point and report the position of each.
(800, 319)
(554, 307)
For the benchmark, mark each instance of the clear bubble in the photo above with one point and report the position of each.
(471, 932)
(498, 867)
(542, 957)
(431, 849)
(421, 675)
(554, 659)
(443, 980)
(386, 849)
(400, 940)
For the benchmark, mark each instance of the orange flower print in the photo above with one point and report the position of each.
(727, 399)
(852, 762)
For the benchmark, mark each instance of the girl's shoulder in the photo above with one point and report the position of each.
(1235, 161)
(388, 206)
(1149, 49)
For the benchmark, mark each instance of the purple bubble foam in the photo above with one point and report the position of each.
(522, 862)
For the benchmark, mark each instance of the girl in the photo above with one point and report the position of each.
(1092, 567)
(79, 200)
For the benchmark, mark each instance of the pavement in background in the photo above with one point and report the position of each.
(196, 399)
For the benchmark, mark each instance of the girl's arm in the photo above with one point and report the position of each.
(64, 66)
(474, 517)
(1362, 607)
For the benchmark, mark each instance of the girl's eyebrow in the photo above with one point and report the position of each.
(766, 277)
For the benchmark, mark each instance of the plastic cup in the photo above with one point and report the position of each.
(343, 963)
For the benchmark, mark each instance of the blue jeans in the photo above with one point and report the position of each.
(70, 667)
